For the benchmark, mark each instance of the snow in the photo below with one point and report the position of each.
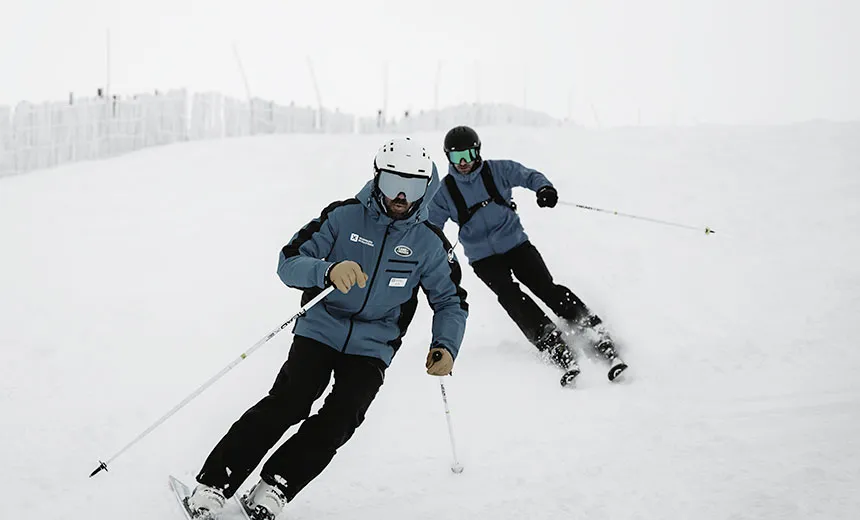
(127, 283)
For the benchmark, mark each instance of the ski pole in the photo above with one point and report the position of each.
(708, 231)
(266, 338)
(456, 467)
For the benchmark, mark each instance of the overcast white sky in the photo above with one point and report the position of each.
(729, 61)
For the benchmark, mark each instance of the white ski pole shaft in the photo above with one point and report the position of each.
(708, 231)
(456, 467)
(207, 384)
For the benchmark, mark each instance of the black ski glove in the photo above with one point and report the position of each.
(547, 197)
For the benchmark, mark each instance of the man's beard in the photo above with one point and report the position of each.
(397, 209)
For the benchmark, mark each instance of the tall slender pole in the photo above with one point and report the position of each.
(596, 117)
(525, 86)
(436, 96)
(242, 71)
(385, 94)
(317, 90)
(247, 89)
(107, 66)
(570, 104)
(108, 107)
(477, 82)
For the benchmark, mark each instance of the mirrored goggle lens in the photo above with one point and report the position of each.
(392, 184)
(455, 156)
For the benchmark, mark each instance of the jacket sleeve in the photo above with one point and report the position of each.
(515, 174)
(440, 281)
(438, 207)
(302, 263)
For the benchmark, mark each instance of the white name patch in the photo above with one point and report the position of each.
(397, 282)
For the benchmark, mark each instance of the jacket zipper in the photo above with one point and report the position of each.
(369, 287)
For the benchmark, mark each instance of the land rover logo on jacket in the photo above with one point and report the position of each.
(403, 250)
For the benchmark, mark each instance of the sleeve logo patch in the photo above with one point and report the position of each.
(403, 251)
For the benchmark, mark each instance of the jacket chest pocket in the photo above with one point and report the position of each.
(394, 285)
(400, 274)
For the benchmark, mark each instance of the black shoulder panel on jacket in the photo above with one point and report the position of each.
(305, 234)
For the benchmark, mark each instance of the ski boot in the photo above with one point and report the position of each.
(552, 342)
(591, 327)
(264, 502)
(205, 502)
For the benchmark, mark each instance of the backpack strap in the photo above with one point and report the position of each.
(464, 213)
(493, 190)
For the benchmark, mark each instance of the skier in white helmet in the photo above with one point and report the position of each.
(377, 249)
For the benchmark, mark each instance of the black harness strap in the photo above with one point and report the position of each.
(465, 213)
(457, 197)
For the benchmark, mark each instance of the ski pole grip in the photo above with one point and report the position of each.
(437, 356)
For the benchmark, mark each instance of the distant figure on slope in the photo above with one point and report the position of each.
(353, 334)
(476, 194)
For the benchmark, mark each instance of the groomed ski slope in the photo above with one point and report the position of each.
(127, 283)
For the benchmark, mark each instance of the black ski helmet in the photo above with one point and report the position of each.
(462, 138)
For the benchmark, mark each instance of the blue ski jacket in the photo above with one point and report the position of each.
(399, 257)
(493, 229)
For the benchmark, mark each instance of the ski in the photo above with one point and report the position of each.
(615, 374)
(181, 492)
(568, 379)
(616, 369)
(243, 507)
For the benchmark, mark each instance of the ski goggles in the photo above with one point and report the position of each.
(392, 184)
(468, 155)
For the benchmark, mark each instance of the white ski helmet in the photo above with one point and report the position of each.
(402, 166)
(405, 156)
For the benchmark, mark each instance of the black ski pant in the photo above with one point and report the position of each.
(526, 264)
(301, 381)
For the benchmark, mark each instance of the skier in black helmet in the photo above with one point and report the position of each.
(476, 194)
